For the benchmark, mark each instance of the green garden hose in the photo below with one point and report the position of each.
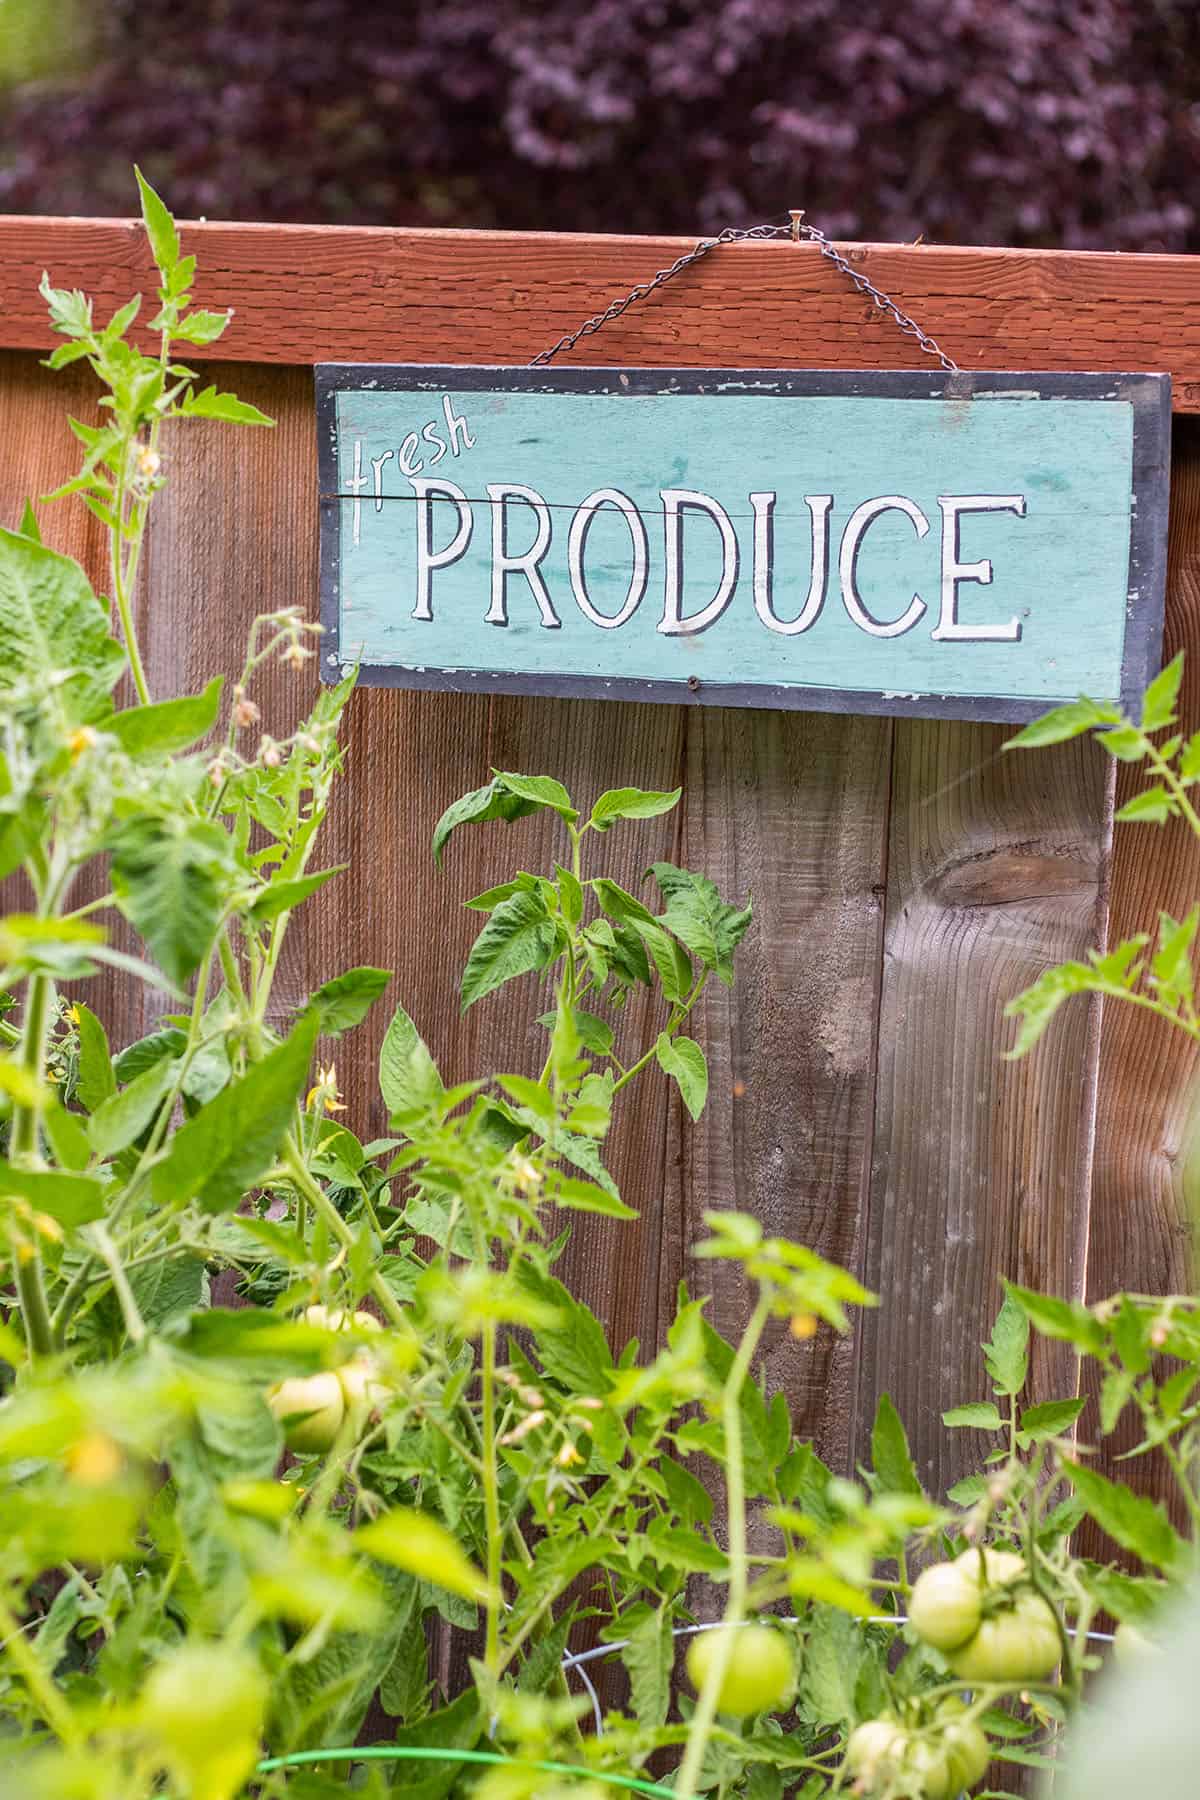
(419, 1753)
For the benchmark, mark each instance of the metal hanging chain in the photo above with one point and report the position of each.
(798, 231)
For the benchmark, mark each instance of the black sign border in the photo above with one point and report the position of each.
(1148, 394)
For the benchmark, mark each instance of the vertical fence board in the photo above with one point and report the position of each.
(1146, 1139)
(980, 1168)
(792, 809)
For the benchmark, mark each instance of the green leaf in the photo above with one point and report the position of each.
(1153, 806)
(281, 896)
(631, 803)
(573, 1350)
(1049, 1419)
(71, 1199)
(1125, 742)
(491, 802)
(595, 1034)
(171, 876)
(211, 405)
(96, 1078)
(649, 1658)
(408, 1077)
(684, 1060)
(347, 999)
(982, 1415)
(1134, 1521)
(586, 1196)
(967, 1491)
(1171, 969)
(168, 725)
(1158, 707)
(136, 1058)
(570, 894)
(221, 1152)
(29, 526)
(520, 936)
(696, 914)
(539, 790)
(160, 228)
(124, 1116)
(51, 626)
(670, 959)
(1007, 1354)
(622, 906)
(201, 327)
(1064, 722)
(68, 1138)
(1066, 1320)
(418, 1544)
(829, 1669)
(891, 1458)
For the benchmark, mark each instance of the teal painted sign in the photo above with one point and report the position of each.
(967, 545)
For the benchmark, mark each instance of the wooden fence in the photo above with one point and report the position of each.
(907, 878)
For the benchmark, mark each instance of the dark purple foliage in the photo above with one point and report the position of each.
(1060, 122)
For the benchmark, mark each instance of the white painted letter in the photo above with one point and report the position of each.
(764, 558)
(852, 537)
(428, 558)
(499, 493)
(577, 541)
(954, 571)
(454, 424)
(673, 624)
(356, 483)
(377, 464)
(410, 462)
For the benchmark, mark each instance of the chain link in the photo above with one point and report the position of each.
(798, 231)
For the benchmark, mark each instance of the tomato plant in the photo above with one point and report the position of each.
(228, 1533)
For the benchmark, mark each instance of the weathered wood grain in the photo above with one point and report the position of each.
(1144, 1186)
(791, 810)
(308, 293)
(996, 870)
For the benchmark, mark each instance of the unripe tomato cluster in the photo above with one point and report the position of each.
(940, 1759)
(312, 1408)
(988, 1624)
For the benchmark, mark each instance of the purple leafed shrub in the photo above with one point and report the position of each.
(1047, 122)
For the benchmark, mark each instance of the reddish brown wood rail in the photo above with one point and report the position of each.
(309, 293)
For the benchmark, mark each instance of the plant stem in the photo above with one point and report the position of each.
(491, 1498)
(324, 1208)
(31, 1287)
(735, 1603)
(120, 589)
(135, 1325)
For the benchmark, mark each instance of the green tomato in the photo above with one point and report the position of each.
(989, 1567)
(965, 1747)
(760, 1674)
(327, 1318)
(205, 1703)
(875, 1750)
(946, 1606)
(361, 1385)
(1019, 1644)
(311, 1409)
(933, 1769)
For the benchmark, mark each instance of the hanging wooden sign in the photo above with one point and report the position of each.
(964, 545)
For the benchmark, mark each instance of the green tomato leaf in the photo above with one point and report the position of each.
(281, 896)
(124, 1116)
(171, 876)
(408, 1077)
(347, 999)
(1007, 1354)
(684, 1060)
(168, 725)
(1048, 1420)
(1134, 1521)
(412, 1541)
(631, 803)
(982, 1415)
(494, 801)
(519, 937)
(201, 327)
(1067, 1320)
(891, 1458)
(96, 1078)
(233, 1140)
(210, 404)
(160, 228)
(539, 790)
(54, 631)
(1158, 707)
(1064, 722)
(696, 914)
(68, 1138)
(71, 1199)
(1153, 806)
